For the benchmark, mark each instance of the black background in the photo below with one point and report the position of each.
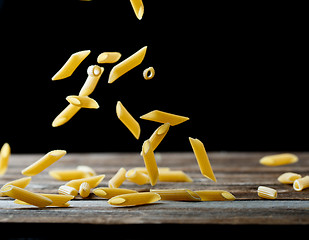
(239, 71)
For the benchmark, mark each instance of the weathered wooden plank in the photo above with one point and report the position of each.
(239, 173)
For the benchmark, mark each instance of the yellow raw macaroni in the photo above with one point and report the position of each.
(202, 158)
(164, 117)
(84, 189)
(279, 159)
(150, 162)
(138, 8)
(288, 177)
(83, 101)
(266, 192)
(67, 190)
(94, 74)
(93, 181)
(71, 64)
(137, 177)
(26, 196)
(146, 74)
(108, 57)
(127, 64)
(5, 154)
(301, 183)
(108, 193)
(58, 200)
(177, 195)
(174, 176)
(215, 195)
(65, 115)
(118, 178)
(43, 162)
(126, 118)
(134, 199)
(158, 135)
(21, 183)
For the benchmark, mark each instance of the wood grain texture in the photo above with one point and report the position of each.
(239, 173)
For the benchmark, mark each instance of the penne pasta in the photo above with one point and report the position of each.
(71, 64)
(44, 162)
(87, 170)
(202, 158)
(21, 183)
(67, 175)
(134, 199)
(26, 196)
(137, 177)
(118, 178)
(126, 118)
(279, 159)
(177, 195)
(288, 177)
(58, 200)
(94, 73)
(111, 192)
(164, 117)
(301, 183)
(174, 176)
(67, 190)
(65, 115)
(266, 192)
(150, 162)
(108, 57)
(93, 181)
(144, 170)
(5, 154)
(82, 101)
(149, 73)
(138, 8)
(84, 189)
(127, 64)
(215, 195)
(158, 135)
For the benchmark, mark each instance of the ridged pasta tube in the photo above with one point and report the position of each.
(21, 183)
(301, 183)
(93, 181)
(118, 178)
(5, 154)
(288, 177)
(267, 192)
(108, 193)
(150, 162)
(94, 73)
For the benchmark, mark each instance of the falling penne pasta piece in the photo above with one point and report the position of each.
(150, 162)
(94, 73)
(111, 192)
(44, 162)
(215, 195)
(108, 57)
(148, 73)
(177, 194)
(5, 154)
(202, 158)
(288, 177)
(126, 118)
(279, 159)
(138, 8)
(26, 196)
(65, 115)
(82, 101)
(127, 64)
(301, 183)
(118, 178)
(84, 189)
(93, 181)
(164, 117)
(137, 177)
(158, 135)
(267, 192)
(134, 199)
(71, 64)
(21, 183)
(174, 176)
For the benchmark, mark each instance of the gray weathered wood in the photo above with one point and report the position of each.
(239, 173)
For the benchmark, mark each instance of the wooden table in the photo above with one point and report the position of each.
(237, 172)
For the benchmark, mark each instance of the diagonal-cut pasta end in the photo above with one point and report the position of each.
(59, 121)
(228, 196)
(116, 201)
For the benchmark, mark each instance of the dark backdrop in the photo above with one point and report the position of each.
(239, 71)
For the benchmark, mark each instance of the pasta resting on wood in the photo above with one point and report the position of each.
(134, 199)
